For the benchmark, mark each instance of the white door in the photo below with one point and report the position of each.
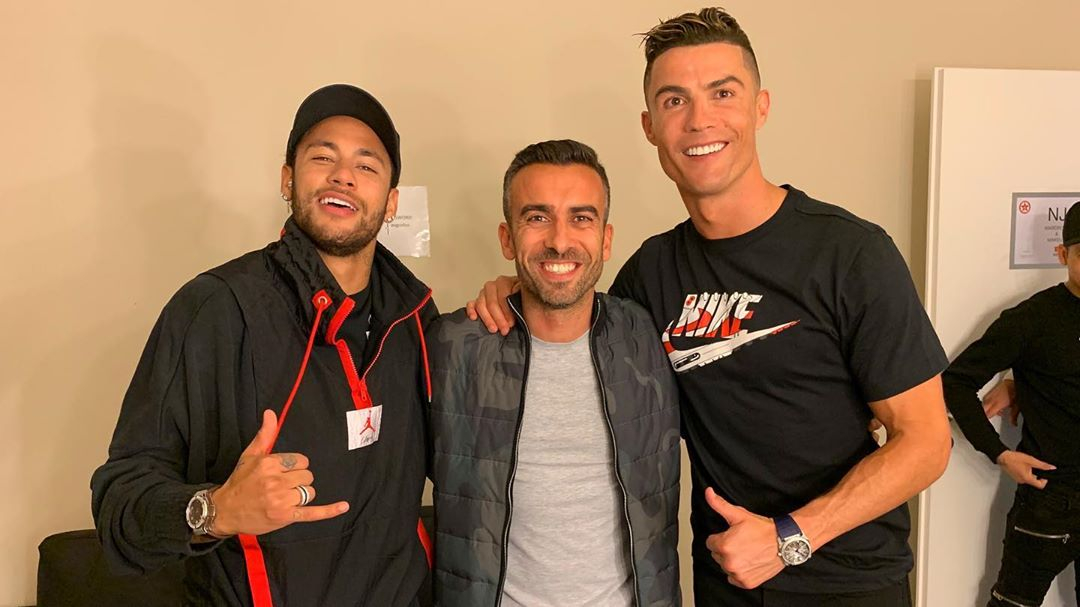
(995, 133)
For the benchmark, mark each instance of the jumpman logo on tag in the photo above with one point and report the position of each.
(364, 426)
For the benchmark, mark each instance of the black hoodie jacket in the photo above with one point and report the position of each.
(229, 345)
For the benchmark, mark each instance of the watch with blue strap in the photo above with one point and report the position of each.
(793, 546)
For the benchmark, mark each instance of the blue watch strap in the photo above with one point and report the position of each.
(786, 526)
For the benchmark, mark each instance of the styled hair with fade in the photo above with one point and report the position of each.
(710, 24)
(559, 152)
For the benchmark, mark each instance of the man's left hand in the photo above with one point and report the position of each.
(747, 551)
(1001, 400)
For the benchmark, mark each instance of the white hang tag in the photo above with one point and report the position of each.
(364, 425)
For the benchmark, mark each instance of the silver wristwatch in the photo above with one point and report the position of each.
(792, 546)
(200, 512)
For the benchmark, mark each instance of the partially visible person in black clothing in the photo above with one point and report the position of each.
(273, 433)
(1039, 339)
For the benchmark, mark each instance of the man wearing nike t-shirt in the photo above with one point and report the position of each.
(791, 323)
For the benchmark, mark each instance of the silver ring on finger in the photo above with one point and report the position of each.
(305, 495)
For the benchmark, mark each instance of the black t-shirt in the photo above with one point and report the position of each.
(780, 337)
(357, 326)
(1039, 340)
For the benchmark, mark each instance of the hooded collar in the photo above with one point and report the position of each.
(302, 274)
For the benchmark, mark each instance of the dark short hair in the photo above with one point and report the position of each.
(559, 152)
(710, 24)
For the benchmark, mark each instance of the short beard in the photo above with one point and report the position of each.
(560, 299)
(336, 245)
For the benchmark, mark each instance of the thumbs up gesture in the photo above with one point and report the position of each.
(266, 492)
(747, 551)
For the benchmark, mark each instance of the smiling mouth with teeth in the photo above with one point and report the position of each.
(336, 202)
(559, 268)
(702, 150)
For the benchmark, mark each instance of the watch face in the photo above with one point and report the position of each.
(196, 512)
(795, 551)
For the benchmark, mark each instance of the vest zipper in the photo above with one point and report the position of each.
(513, 460)
(513, 464)
(615, 455)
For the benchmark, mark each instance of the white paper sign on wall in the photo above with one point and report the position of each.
(1037, 221)
(409, 234)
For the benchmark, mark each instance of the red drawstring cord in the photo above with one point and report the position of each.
(322, 302)
(253, 556)
(423, 352)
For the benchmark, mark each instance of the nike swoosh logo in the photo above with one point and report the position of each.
(684, 360)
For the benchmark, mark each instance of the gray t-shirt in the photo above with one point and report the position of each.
(568, 532)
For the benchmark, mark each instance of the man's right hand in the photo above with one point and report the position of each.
(1021, 467)
(261, 494)
(490, 305)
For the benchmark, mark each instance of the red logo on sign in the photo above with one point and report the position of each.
(1025, 207)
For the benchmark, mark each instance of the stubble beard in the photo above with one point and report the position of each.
(343, 244)
(563, 295)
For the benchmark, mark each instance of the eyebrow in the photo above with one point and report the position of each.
(585, 209)
(549, 209)
(681, 90)
(530, 208)
(365, 152)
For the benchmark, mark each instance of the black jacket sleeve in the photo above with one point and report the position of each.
(997, 350)
(167, 445)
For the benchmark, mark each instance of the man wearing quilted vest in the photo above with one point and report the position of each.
(556, 446)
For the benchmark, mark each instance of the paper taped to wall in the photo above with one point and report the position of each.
(1037, 221)
(409, 234)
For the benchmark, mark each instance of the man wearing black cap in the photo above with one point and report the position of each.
(322, 328)
(1039, 340)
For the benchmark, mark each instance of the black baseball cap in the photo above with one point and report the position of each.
(346, 100)
(1070, 233)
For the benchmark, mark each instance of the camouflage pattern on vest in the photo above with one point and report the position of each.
(479, 387)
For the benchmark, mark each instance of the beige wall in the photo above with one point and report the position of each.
(143, 143)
